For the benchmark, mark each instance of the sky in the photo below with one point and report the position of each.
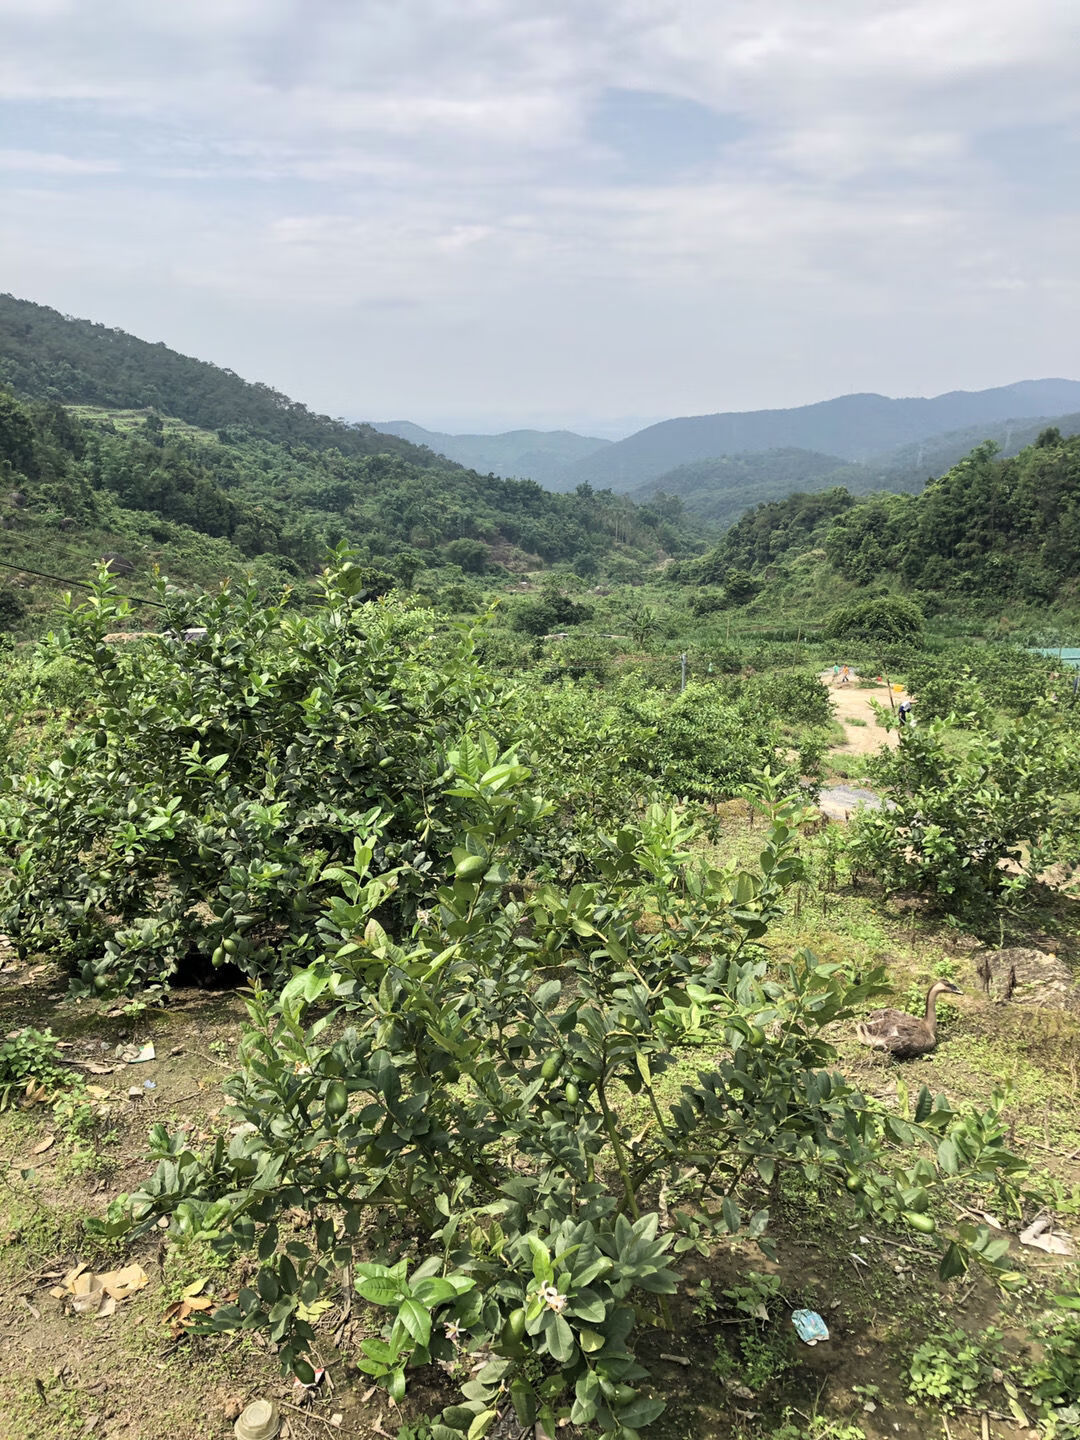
(484, 214)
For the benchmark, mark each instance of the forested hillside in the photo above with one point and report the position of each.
(722, 489)
(541, 455)
(48, 356)
(859, 428)
(75, 485)
(988, 530)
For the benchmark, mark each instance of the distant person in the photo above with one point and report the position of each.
(845, 676)
(835, 673)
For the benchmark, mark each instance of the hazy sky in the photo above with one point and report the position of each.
(484, 213)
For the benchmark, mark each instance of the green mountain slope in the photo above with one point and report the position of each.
(854, 427)
(268, 488)
(722, 489)
(540, 455)
(48, 356)
(990, 530)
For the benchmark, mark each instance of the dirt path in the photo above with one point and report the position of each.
(853, 703)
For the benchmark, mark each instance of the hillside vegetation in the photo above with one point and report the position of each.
(989, 530)
(206, 476)
(541, 455)
(47, 356)
(857, 428)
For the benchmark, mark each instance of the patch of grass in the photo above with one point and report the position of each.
(188, 1260)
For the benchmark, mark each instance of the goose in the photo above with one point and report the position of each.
(905, 1035)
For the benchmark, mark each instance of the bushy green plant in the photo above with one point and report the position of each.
(457, 1137)
(218, 782)
(1053, 1381)
(30, 1057)
(949, 1367)
(797, 696)
(980, 679)
(886, 619)
(973, 817)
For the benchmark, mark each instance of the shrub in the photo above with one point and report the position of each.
(12, 607)
(548, 614)
(797, 696)
(30, 1057)
(973, 817)
(220, 784)
(888, 619)
(455, 1142)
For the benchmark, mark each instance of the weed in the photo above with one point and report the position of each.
(755, 1297)
(30, 1057)
(706, 1304)
(817, 1427)
(761, 1359)
(1054, 1379)
(186, 1261)
(949, 1367)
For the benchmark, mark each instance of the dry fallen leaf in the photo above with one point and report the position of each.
(43, 1145)
(122, 1283)
(98, 1092)
(97, 1294)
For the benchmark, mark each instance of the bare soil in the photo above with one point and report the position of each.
(852, 702)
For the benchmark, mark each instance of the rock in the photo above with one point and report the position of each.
(118, 564)
(1028, 977)
(17, 498)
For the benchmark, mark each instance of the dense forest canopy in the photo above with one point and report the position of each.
(48, 356)
(988, 529)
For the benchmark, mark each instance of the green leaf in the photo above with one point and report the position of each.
(953, 1262)
(640, 1412)
(417, 1321)
(560, 1338)
(730, 1211)
(542, 1270)
(378, 1289)
(482, 1424)
(436, 1290)
(947, 1158)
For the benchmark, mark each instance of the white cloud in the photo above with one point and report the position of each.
(281, 167)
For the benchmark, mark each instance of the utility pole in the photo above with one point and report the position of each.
(682, 681)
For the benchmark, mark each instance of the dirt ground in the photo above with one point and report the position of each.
(852, 703)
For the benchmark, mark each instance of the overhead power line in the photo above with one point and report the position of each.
(83, 585)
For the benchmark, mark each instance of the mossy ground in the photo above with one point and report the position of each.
(878, 1290)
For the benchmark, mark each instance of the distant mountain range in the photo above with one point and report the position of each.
(854, 427)
(722, 489)
(541, 455)
(720, 465)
